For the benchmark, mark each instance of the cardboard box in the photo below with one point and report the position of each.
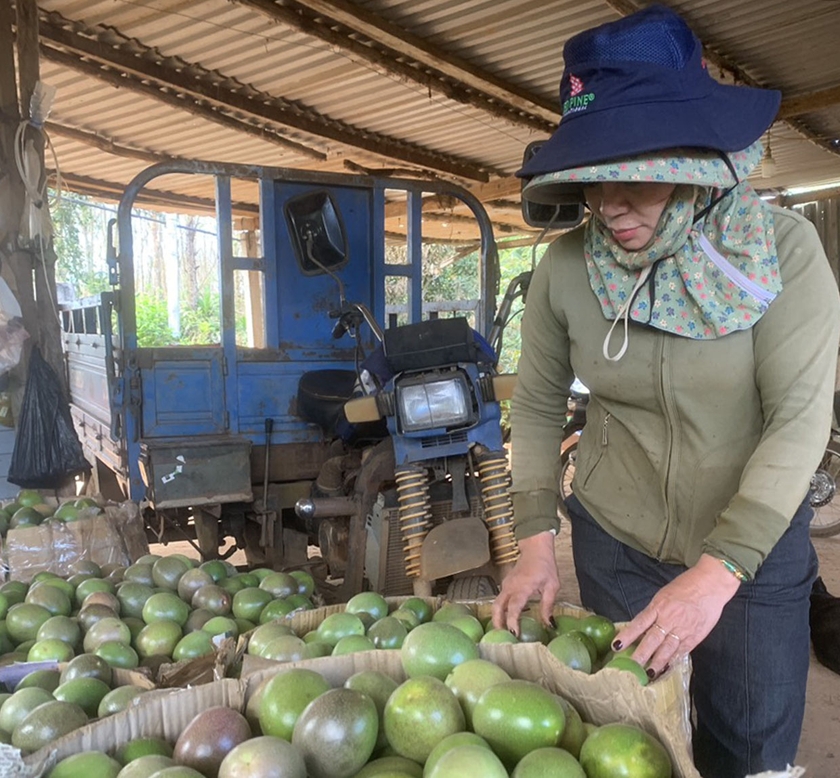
(163, 713)
(609, 696)
(605, 697)
(662, 708)
(11, 763)
(115, 536)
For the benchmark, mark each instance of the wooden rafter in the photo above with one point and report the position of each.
(389, 49)
(108, 145)
(105, 53)
(161, 198)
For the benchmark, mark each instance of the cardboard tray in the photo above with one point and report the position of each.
(662, 708)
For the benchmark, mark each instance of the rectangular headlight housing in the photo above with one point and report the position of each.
(432, 402)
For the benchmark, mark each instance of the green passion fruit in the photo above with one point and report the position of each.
(367, 602)
(144, 746)
(435, 648)
(544, 762)
(516, 717)
(379, 687)
(84, 765)
(87, 693)
(336, 733)
(624, 749)
(24, 620)
(279, 584)
(305, 582)
(158, 639)
(166, 606)
(263, 756)
(468, 760)
(469, 680)
(600, 630)
(419, 714)
(285, 648)
(571, 652)
(248, 603)
(117, 700)
(339, 625)
(422, 609)
(283, 698)
(87, 666)
(450, 742)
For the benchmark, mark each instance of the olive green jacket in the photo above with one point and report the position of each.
(690, 446)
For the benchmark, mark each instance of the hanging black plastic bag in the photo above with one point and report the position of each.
(47, 450)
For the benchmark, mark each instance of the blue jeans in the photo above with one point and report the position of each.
(749, 674)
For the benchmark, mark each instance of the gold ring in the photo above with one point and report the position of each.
(668, 634)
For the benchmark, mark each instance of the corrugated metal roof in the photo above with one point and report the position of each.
(773, 43)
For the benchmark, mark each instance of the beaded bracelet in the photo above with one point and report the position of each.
(734, 570)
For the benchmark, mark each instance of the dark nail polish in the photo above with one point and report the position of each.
(650, 673)
(551, 622)
(666, 669)
(513, 633)
(617, 644)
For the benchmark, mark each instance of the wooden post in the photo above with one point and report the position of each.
(254, 305)
(40, 244)
(17, 267)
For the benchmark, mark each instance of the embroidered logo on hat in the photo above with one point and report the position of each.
(577, 101)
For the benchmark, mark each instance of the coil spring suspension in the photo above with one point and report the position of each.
(415, 514)
(498, 507)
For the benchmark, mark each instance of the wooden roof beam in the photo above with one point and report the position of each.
(389, 49)
(105, 53)
(158, 198)
(107, 145)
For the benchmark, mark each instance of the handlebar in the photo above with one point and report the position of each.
(350, 316)
(518, 287)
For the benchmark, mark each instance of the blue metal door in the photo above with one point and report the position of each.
(183, 392)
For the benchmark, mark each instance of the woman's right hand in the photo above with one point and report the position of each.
(535, 573)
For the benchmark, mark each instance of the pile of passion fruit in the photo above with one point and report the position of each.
(454, 715)
(29, 509)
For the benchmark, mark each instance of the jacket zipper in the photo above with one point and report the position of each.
(666, 487)
(761, 294)
(604, 429)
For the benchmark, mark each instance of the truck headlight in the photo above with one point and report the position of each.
(429, 404)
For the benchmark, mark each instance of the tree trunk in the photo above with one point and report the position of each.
(190, 260)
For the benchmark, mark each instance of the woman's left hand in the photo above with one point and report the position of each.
(680, 615)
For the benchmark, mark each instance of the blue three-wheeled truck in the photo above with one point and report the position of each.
(372, 437)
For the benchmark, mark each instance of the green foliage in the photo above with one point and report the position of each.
(512, 262)
(201, 324)
(77, 265)
(152, 322)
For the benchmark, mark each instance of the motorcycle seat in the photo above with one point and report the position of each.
(321, 396)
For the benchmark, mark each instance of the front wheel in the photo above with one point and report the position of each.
(824, 497)
(472, 587)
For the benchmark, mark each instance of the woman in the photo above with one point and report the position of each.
(705, 324)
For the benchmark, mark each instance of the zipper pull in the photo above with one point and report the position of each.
(604, 430)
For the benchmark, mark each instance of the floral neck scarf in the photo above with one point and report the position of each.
(708, 271)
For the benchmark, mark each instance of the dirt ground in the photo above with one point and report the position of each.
(819, 749)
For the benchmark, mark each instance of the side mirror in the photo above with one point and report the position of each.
(316, 232)
(556, 215)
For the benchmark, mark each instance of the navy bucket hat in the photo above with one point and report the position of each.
(639, 85)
